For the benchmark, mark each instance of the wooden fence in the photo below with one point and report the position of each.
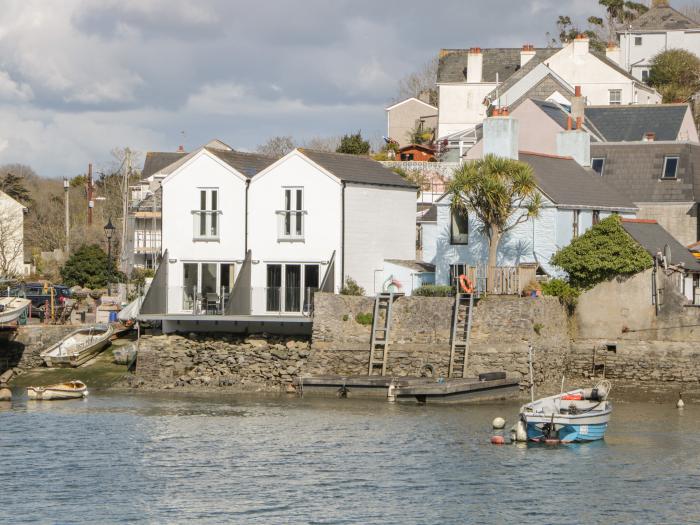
(508, 280)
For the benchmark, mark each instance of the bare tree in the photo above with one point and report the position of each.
(420, 83)
(277, 147)
(11, 240)
(329, 144)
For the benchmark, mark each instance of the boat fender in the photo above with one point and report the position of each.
(680, 403)
(498, 440)
(498, 423)
(427, 368)
(521, 431)
(390, 395)
(343, 392)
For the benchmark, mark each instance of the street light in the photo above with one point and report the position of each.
(109, 232)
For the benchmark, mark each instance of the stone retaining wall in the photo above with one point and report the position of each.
(22, 348)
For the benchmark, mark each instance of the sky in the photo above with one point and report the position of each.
(81, 77)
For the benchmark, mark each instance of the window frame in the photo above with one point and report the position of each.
(206, 216)
(602, 168)
(638, 40)
(452, 232)
(618, 92)
(297, 228)
(675, 172)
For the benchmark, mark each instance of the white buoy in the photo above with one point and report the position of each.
(520, 431)
(499, 423)
(390, 395)
(680, 403)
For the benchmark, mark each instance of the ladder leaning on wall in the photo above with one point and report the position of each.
(461, 330)
(381, 327)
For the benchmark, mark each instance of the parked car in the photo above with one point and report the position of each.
(40, 295)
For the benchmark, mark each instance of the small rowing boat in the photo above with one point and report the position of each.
(576, 416)
(69, 390)
(12, 307)
(78, 347)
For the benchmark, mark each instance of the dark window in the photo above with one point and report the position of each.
(645, 75)
(596, 217)
(459, 228)
(637, 40)
(670, 168)
(274, 287)
(598, 166)
(292, 287)
(407, 156)
(455, 271)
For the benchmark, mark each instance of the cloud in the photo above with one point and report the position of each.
(11, 90)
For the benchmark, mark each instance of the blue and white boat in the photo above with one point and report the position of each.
(570, 417)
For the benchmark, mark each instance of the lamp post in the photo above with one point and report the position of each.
(109, 232)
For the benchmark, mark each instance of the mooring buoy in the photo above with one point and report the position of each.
(680, 403)
(498, 440)
(498, 423)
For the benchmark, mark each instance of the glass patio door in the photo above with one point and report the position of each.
(311, 284)
(292, 287)
(274, 287)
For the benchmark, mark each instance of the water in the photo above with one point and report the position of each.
(126, 458)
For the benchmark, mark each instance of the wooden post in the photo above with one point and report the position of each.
(91, 203)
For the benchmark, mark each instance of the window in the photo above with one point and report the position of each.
(645, 75)
(206, 286)
(577, 213)
(291, 218)
(407, 157)
(598, 165)
(637, 40)
(206, 217)
(455, 271)
(286, 291)
(670, 168)
(615, 97)
(459, 228)
(596, 217)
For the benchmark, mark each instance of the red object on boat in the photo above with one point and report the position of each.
(573, 397)
(498, 440)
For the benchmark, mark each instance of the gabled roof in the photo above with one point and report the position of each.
(529, 76)
(430, 215)
(651, 236)
(630, 123)
(662, 18)
(414, 99)
(157, 160)
(427, 149)
(356, 168)
(501, 62)
(566, 183)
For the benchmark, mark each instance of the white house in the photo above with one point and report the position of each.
(574, 198)
(407, 115)
(659, 29)
(470, 81)
(11, 237)
(246, 239)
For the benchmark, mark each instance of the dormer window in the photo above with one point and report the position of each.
(598, 165)
(670, 168)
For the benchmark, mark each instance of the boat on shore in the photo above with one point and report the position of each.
(68, 390)
(79, 346)
(575, 416)
(11, 308)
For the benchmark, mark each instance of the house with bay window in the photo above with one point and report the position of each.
(247, 240)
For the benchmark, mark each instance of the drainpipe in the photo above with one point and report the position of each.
(247, 185)
(342, 235)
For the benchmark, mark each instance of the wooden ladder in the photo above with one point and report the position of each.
(461, 329)
(379, 344)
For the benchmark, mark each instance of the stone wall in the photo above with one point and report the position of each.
(21, 348)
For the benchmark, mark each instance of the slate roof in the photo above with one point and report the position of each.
(635, 168)
(651, 236)
(663, 18)
(566, 183)
(630, 123)
(505, 62)
(418, 266)
(248, 164)
(430, 215)
(554, 111)
(157, 160)
(356, 168)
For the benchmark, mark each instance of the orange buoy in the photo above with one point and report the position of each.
(498, 440)
(552, 441)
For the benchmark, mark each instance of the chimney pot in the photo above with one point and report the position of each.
(650, 136)
(496, 112)
(577, 91)
(505, 112)
(181, 149)
(569, 123)
(579, 122)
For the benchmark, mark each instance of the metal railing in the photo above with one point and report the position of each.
(206, 224)
(146, 241)
(290, 225)
(275, 300)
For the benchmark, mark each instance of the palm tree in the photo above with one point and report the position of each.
(500, 192)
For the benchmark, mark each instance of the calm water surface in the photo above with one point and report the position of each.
(125, 458)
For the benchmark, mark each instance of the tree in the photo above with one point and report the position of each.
(277, 147)
(13, 185)
(602, 253)
(675, 74)
(353, 144)
(421, 83)
(88, 267)
(329, 144)
(420, 134)
(11, 240)
(501, 193)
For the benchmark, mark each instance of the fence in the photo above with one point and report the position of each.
(507, 280)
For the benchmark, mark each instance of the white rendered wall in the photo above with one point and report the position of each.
(322, 222)
(409, 278)
(180, 197)
(429, 240)
(380, 224)
(652, 44)
(461, 106)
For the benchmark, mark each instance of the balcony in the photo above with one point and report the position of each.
(206, 225)
(290, 225)
(266, 301)
(147, 241)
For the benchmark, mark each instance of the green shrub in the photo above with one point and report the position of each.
(89, 267)
(567, 294)
(352, 288)
(434, 290)
(364, 318)
(602, 253)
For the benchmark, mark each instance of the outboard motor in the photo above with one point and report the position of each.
(597, 393)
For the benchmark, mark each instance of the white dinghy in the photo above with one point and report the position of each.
(68, 390)
(11, 308)
(78, 346)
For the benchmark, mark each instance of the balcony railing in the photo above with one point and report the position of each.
(275, 301)
(290, 225)
(206, 225)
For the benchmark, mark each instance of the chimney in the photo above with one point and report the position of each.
(575, 144)
(181, 149)
(612, 52)
(580, 45)
(526, 54)
(659, 3)
(649, 136)
(475, 61)
(501, 137)
(578, 104)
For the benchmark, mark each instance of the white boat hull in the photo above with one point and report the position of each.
(71, 390)
(12, 308)
(78, 347)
